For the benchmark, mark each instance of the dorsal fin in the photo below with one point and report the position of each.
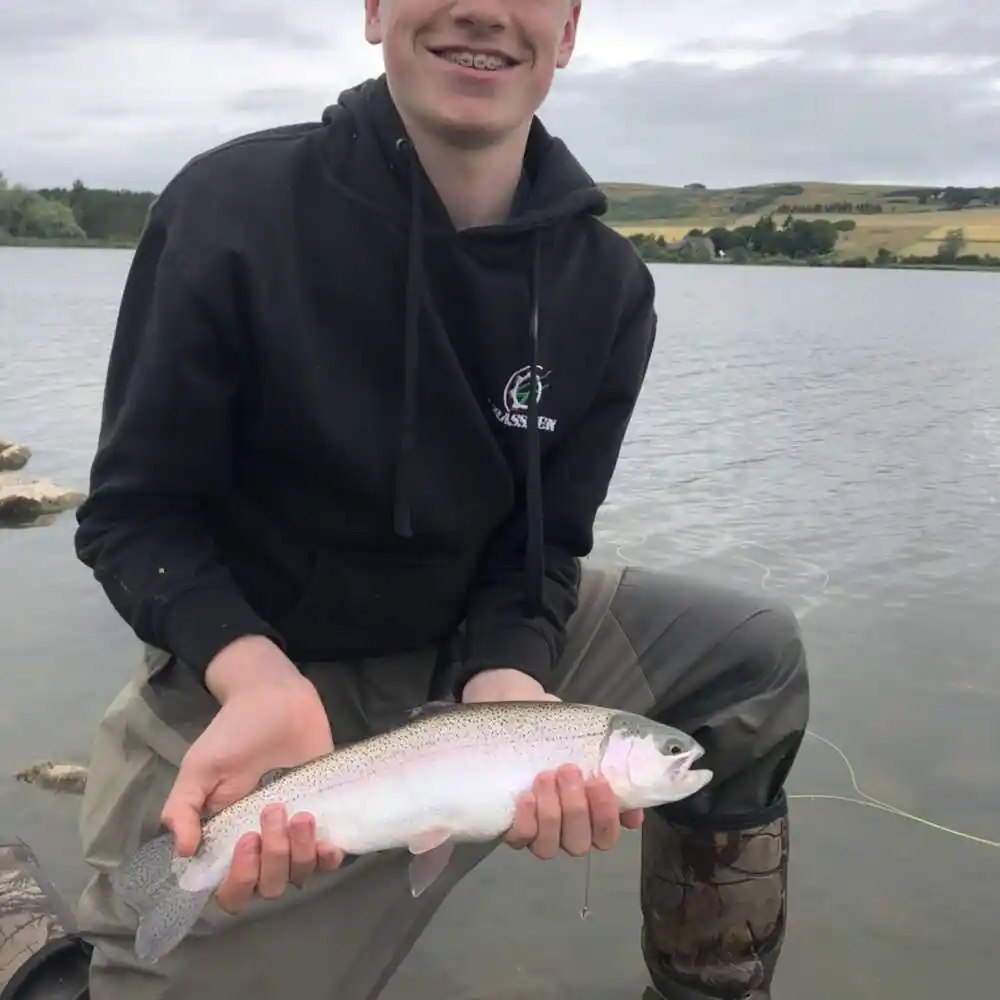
(269, 777)
(430, 708)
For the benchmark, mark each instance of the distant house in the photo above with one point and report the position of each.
(700, 247)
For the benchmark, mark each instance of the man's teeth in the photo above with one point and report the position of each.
(476, 60)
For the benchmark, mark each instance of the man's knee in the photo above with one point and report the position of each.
(776, 657)
(760, 714)
(689, 630)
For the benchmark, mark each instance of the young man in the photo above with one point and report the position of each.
(368, 388)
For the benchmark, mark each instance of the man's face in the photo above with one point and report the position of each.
(472, 71)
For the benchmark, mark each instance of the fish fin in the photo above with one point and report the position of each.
(148, 882)
(269, 777)
(143, 878)
(168, 923)
(426, 866)
(429, 708)
(428, 840)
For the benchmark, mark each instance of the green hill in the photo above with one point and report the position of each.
(644, 202)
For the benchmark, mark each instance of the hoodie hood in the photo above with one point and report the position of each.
(385, 175)
(556, 185)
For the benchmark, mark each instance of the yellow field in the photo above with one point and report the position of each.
(673, 231)
(901, 232)
(920, 233)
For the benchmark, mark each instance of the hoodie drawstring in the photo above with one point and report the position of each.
(411, 353)
(534, 565)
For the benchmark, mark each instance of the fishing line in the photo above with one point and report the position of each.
(870, 802)
(585, 912)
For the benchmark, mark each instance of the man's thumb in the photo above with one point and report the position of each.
(181, 814)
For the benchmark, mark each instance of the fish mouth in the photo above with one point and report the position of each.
(682, 763)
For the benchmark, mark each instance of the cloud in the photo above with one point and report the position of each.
(721, 92)
(58, 25)
(785, 119)
(955, 29)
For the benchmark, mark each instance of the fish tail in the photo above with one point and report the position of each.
(148, 882)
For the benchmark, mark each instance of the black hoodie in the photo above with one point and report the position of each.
(332, 419)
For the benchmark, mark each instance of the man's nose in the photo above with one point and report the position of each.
(487, 16)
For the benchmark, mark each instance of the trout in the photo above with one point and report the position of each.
(450, 774)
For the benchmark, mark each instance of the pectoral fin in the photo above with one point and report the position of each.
(431, 852)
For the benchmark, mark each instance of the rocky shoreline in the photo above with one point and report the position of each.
(27, 501)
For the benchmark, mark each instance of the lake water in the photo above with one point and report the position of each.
(831, 436)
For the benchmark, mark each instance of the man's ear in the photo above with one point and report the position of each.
(568, 41)
(373, 21)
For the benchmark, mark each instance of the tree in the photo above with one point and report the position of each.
(951, 246)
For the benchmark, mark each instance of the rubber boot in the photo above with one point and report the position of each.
(41, 957)
(714, 905)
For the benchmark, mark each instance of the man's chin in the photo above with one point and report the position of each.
(467, 124)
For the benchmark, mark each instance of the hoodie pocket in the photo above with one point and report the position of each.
(373, 603)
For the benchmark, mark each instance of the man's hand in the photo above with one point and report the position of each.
(561, 811)
(270, 716)
(504, 685)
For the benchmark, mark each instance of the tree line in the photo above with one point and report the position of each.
(74, 214)
(834, 208)
(795, 239)
(811, 241)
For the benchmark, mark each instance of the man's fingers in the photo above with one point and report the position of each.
(181, 814)
(302, 848)
(632, 819)
(328, 857)
(238, 886)
(274, 852)
(603, 814)
(549, 813)
(524, 829)
(576, 835)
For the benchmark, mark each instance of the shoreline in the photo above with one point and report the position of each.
(65, 243)
(850, 264)
(855, 265)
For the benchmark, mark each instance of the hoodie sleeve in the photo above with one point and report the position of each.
(164, 449)
(575, 477)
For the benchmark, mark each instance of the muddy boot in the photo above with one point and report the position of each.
(714, 906)
(41, 958)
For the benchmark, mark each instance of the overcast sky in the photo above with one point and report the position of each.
(120, 92)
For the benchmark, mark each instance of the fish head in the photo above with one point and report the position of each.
(649, 764)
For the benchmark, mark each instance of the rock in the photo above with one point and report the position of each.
(55, 777)
(23, 500)
(13, 456)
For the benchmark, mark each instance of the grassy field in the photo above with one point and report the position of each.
(904, 226)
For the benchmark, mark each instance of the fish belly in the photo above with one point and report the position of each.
(469, 794)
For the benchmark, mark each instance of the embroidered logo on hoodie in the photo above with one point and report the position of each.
(517, 396)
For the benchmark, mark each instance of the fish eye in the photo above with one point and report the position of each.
(674, 748)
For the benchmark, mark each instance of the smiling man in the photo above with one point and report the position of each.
(368, 387)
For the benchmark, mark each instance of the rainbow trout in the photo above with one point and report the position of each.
(451, 774)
